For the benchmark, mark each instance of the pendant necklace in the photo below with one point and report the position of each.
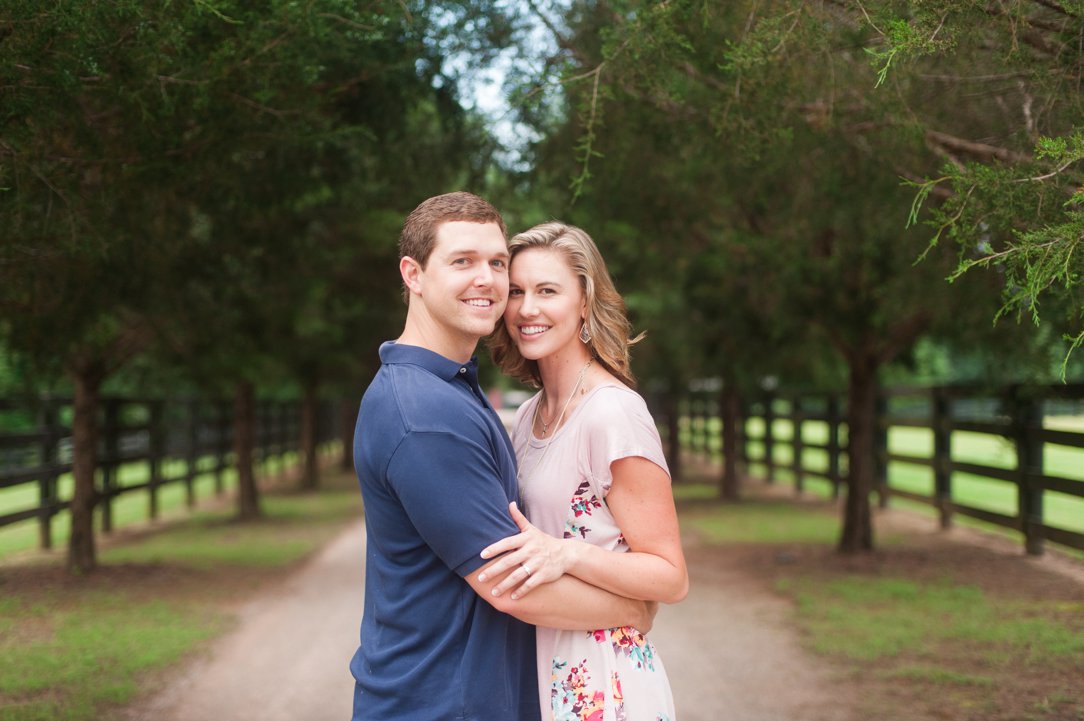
(538, 415)
(579, 381)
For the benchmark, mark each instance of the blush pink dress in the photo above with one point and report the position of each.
(611, 674)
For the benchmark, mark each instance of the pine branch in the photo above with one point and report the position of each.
(982, 151)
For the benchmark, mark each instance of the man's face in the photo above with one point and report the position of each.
(464, 286)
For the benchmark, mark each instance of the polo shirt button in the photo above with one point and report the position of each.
(462, 370)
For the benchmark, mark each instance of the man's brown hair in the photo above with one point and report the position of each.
(420, 229)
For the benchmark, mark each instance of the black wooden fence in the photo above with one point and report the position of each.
(175, 441)
(1015, 414)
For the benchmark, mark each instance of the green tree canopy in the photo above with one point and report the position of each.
(759, 169)
(211, 178)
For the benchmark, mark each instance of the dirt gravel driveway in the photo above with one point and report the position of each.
(732, 654)
(287, 659)
(729, 650)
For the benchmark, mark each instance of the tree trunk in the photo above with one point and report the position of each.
(348, 415)
(310, 471)
(82, 556)
(730, 408)
(244, 441)
(861, 417)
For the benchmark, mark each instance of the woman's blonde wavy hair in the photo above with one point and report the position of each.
(606, 320)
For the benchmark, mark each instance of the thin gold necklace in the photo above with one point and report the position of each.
(579, 381)
(540, 417)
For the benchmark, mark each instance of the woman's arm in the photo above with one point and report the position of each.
(569, 604)
(652, 570)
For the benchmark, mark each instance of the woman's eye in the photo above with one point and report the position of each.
(514, 292)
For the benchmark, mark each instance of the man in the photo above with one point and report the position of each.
(437, 473)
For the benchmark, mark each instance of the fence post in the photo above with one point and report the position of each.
(769, 436)
(155, 460)
(833, 443)
(192, 460)
(942, 456)
(346, 425)
(731, 440)
(223, 443)
(110, 462)
(693, 405)
(705, 422)
(707, 406)
(714, 415)
(672, 404)
(880, 449)
(271, 435)
(744, 410)
(289, 413)
(1027, 421)
(259, 433)
(796, 419)
(47, 483)
(694, 422)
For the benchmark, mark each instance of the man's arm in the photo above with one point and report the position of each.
(568, 604)
(451, 490)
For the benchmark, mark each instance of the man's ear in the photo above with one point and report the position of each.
(411, 271)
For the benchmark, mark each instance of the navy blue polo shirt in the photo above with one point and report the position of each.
(437, 472)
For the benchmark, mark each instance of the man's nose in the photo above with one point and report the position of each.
(484, 277)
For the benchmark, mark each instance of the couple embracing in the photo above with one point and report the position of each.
(511, 579)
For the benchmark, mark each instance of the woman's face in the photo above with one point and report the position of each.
(546, 304)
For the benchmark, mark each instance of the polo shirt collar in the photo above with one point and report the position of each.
(396, 353)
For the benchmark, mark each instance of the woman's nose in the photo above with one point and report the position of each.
(527, 306)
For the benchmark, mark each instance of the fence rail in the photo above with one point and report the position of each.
(175, 441)
(1020, 415)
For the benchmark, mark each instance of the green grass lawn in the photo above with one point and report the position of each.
(73, 661)
(981, 653)
(74, 648)
(757, 521)
(924, 632)
(866, 619)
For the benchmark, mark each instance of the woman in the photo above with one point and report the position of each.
(592, 476)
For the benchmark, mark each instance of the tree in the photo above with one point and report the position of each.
(812, 183)
(1010, 186)
(166, 168)
(82, 143)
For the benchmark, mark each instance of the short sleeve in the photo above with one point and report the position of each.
(451, 489)
(619, 426)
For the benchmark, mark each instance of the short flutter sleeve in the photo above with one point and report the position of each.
(619, 426)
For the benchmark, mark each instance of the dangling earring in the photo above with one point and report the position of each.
(585, 335)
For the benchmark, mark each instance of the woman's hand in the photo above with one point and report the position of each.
(533, 557)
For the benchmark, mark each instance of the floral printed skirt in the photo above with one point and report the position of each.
(605, 675)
